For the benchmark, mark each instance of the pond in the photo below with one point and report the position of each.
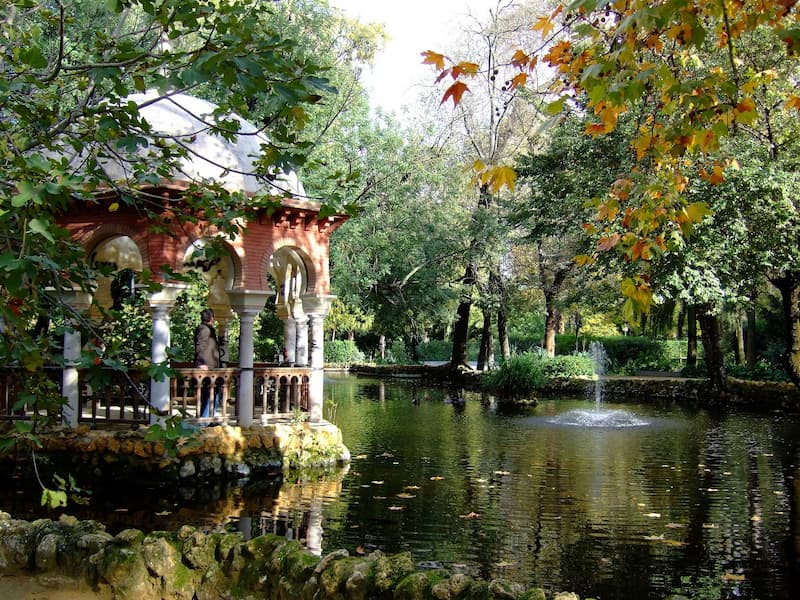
(658, 500)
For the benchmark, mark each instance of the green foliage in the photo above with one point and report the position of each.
(342, 352)
(761, 371)
(568, 365)
(434, 350)
(519, 376)
(398, 354)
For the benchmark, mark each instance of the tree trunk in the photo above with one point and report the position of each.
(461, 326)
(487, 344)
(710, 334)
(790, 294)
(739, 324)
(550, 290)
(751, 338)
(681, 321)
(691, 336)
(499, 286)
(550, 328)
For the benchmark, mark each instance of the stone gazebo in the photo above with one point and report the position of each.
(288, 245)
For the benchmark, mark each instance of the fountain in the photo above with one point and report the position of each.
(598, 416)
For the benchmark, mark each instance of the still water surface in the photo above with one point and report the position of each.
(685, 501)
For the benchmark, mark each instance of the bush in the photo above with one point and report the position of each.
(572, 365)
(762, 371)
(343, 352)
(518, 376)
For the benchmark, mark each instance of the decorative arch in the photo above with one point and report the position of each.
(289, 267)
(122, 253)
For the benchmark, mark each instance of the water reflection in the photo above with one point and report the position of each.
(697, 503)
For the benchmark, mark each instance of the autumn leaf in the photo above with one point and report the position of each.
(464, 68)
(520, 59)
(519, 80)
(608, 242)
(792, 102)
(433, 58)
(545, 25)
(455, 91)
(501, 177)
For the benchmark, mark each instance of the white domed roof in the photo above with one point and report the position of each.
(187, 120)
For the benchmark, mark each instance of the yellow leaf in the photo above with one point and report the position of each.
(545, 25)
(502, 177)
(433, 58)
(583, 259)
(455, 91)
(696, 211)
(113, 207)
(478, 166)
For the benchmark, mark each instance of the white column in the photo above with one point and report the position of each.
(70, 385)
(161, 303)
(316, 307)
(290, 339)
(315, 385)
(247, 304)
(301, 346)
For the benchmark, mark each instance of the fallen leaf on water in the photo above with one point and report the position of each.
(411, 488)
(397, 508)
(653, 515)
(755, 518)
(654, 538)
(502, 472)
(437, 478)
(379, 482)
(710, 526)
(641, 505)
(471, 515)
(360, 456)
(360, 550)
(163, 513)
(733, 577)
(675, 525)
(385, 455)
(405, 495)
(502, 564)
(712, 490)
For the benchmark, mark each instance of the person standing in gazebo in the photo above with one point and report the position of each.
(206, 356)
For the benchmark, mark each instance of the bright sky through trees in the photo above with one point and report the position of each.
(413, 26)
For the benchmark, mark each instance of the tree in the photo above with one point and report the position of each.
(491, 125)
(559, 182)
(696, 73)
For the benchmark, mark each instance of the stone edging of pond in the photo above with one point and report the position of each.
(210, 453)
(752, 395)
(194, 564)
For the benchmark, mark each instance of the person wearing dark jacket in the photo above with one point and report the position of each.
(206, 356)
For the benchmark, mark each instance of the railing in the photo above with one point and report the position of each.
(109, 395)
(277, 391)
(112, 396)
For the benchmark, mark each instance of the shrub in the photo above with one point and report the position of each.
(572, 365)
(343, 352)
(761, 371)
(518, 376)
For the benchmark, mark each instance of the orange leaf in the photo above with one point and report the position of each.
(464, 68)
(455, 92)
(433, 58)
(608, 242)
(520, 59)
(519, 80)
(793, 102)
